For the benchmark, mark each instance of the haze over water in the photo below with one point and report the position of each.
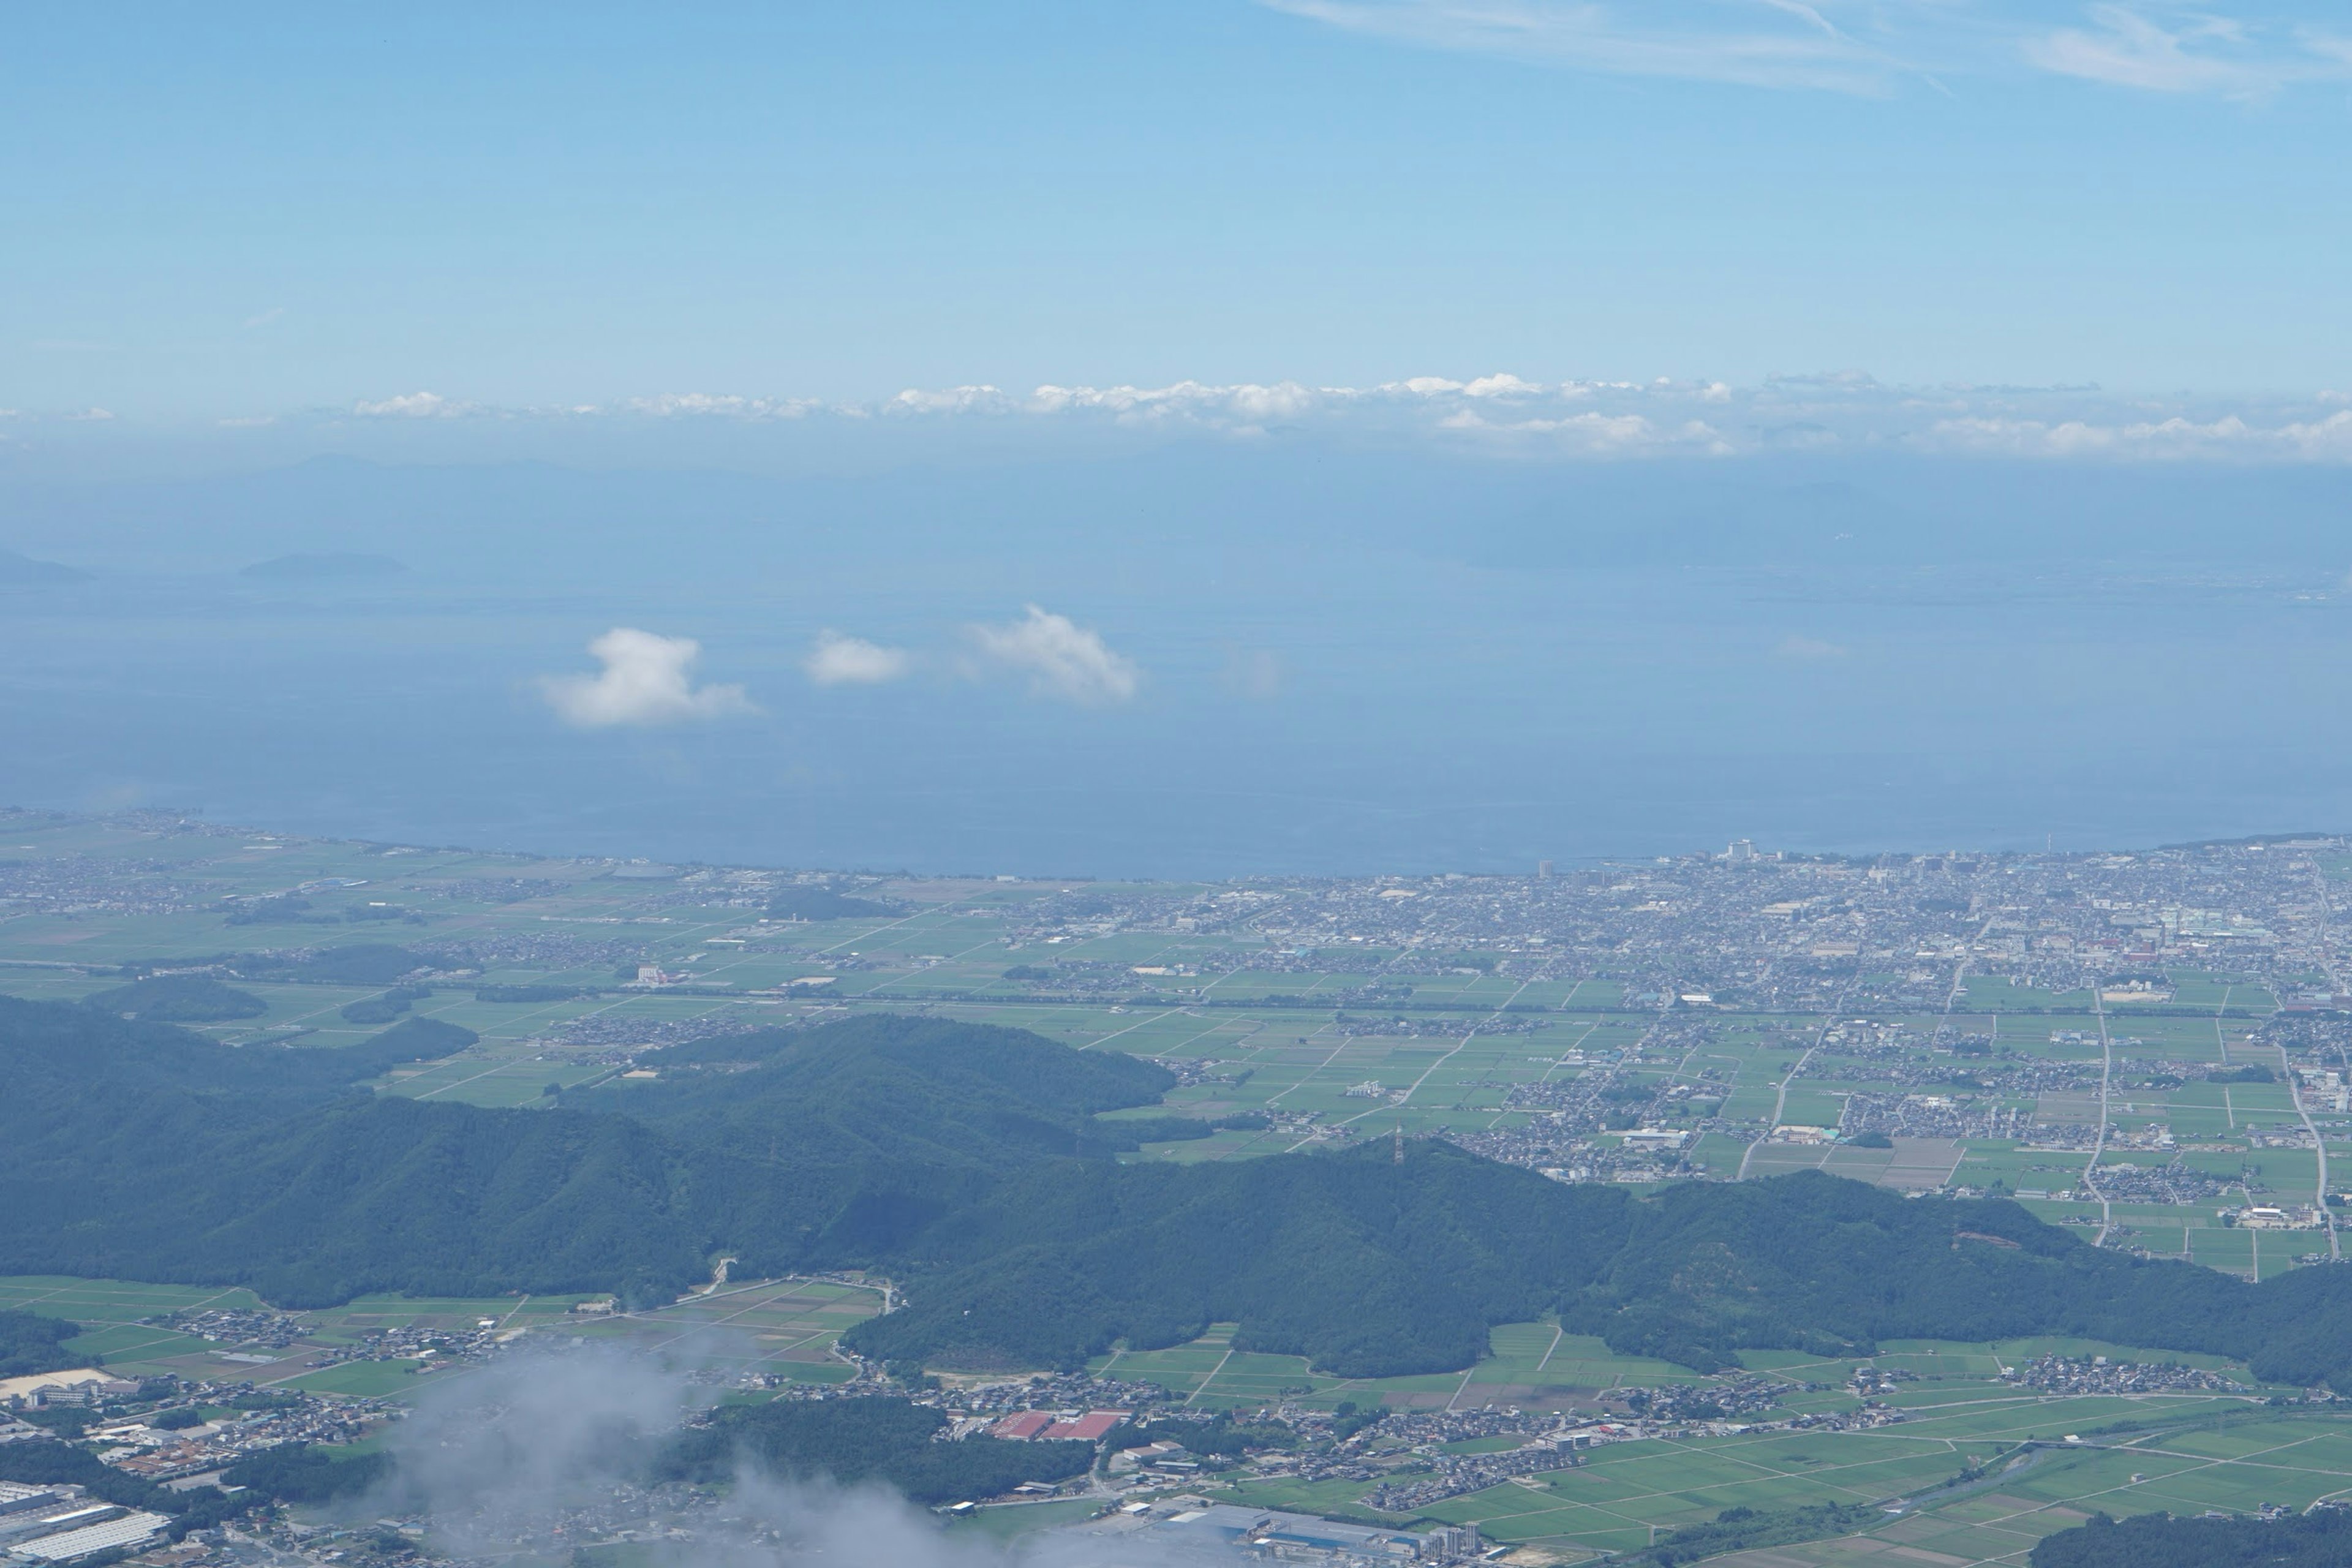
(1432, 663)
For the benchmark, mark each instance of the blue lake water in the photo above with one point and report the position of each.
(1426, 676)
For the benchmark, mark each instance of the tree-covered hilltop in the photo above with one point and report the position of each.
(30, 1342)
(841, 1144)
(977, 1166)
(812, 903)
(1365, 1267)
(1813, 1262)
(854, 1440)
(1371, 1269)
(179, 999)
(143, 1150)
(2319, 1540)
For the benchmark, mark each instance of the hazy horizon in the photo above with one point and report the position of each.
(1316, 435)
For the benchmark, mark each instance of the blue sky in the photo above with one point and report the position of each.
(248, 211)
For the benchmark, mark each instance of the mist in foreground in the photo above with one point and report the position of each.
(546, 1454)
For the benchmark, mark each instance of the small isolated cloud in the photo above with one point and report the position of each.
(264, 318)
(647, 679)
(839, 660)
(1060, 657)
(99, 415)
(1808, 649)
(411, 405)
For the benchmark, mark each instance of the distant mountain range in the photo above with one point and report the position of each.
(972, 1162)
(15, 568)
(326, 566)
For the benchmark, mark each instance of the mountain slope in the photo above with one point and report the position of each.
(1365, 1266)
(972, 1164)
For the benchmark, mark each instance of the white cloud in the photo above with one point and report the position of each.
(2199, 54)
(647, 679)
(1599, 435)
(264, 318)
(1810, 651)
(839, 660)
(673, 405)
(1507, 414)
(1245, 401)
(954, 400)
(98, 416)
(1766, 43)
(2229, 438)
(412, 405)
(1060, 657)
(1867, 47)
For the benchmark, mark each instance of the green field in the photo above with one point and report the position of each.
(780, 1327)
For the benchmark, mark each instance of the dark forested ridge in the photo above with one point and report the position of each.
(144, 1150)
(974, 1163)
(2320, 1539)
(1367, 1266)
(1811, 1262)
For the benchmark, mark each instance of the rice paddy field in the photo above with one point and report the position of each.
(783, 1328)
(2047, 1462)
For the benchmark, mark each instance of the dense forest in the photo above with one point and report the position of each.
(305, 1472)
(30, 1344)
(825, 904)
(179, 999)
(977, 1165)
(1365, 1267)
(865, 1440)
(2320, 1539)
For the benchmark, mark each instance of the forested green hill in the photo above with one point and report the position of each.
(854, 1440)
(30, 1342)
(971, 1162)
(1809, 1261)
(1368, 1268)
(149, 1152)
(2321, 1540)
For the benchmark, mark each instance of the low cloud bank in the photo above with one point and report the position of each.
(1507, 416)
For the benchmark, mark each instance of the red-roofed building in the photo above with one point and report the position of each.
(1086, 1428)
(1023, 1427)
